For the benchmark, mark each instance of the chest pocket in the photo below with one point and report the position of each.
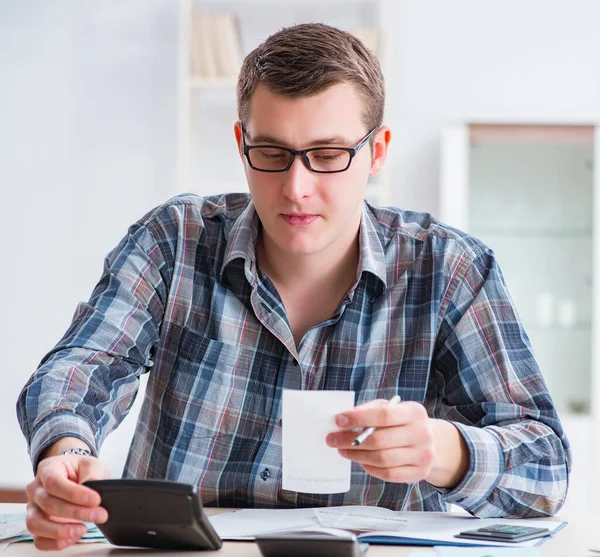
(213, 390)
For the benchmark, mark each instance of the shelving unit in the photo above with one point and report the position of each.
(541, 223)
(208, 160)
(529, 191)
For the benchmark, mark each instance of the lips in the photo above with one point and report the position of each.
(299, 219)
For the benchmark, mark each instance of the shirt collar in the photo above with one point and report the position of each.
(371, 254)
(241, 243)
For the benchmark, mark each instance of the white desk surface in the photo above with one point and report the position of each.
(574, 540)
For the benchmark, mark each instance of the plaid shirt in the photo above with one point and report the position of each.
(182, 298)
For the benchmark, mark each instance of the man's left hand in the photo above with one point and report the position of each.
(408, 446)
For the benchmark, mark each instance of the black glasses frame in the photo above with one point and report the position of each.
(352, 151)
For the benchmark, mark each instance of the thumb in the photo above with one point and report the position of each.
(373, 403)
(91, 468)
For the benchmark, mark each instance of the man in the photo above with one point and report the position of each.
(228, 300)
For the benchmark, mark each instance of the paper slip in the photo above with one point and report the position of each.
(12, 529)
(309, 464)
(363, 519)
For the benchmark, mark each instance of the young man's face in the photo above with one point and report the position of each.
(303, 212)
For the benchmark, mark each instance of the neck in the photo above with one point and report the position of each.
(329, 268)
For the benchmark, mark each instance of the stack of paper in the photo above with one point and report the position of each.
(371, 524)
(14, 529)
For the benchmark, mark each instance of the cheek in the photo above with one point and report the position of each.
(348, 192)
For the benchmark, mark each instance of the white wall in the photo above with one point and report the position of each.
(464, 59)
(88, 94)
(87, 145)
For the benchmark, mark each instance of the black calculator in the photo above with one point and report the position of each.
(505, 533)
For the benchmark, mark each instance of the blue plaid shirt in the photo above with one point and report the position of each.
(183, 299)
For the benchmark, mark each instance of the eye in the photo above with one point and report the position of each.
(271, 154)
(327, 156)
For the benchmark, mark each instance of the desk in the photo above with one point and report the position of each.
(581, 533)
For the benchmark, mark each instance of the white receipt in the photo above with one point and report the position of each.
(309, 464)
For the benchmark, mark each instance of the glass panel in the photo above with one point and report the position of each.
(531, 201)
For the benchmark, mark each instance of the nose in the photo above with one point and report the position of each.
(298, 181)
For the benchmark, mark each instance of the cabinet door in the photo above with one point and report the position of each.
(527, 191)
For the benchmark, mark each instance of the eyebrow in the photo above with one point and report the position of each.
(331, 140)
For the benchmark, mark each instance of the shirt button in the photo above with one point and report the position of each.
(265, 474)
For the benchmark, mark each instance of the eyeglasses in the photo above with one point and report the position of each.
(324, 160)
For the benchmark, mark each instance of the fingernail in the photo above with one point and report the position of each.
(99, 516)
(330, 440)
(342, 420)
(77, 531)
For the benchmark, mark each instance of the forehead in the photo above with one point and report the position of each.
(338, 110)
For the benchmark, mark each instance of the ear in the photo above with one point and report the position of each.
(237, 131)
(381, 142)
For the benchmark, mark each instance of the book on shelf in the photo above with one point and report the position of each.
(216, 47)
(369, 37)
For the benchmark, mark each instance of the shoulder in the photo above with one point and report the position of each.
(421, 234)
(192, 207)
(188, 220)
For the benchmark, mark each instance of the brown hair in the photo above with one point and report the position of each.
(304, 60)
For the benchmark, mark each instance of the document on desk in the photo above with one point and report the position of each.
(309, 464)
(14, 529)
(12, 526)
(385, 526)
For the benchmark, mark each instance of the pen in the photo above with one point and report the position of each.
(370, 430)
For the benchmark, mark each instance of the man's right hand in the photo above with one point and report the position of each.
(57, 503)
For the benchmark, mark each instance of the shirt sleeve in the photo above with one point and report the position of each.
(485, 379)
(87, 383)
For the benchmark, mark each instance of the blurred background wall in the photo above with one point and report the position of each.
(89, 135)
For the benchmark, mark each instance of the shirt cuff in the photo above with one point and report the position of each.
(56, 426)
(486, 466)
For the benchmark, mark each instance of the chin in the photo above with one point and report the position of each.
(301, 246)
(296, 249)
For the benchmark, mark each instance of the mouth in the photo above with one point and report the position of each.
(299, 219)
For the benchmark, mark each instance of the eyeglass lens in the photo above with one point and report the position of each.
(324, 160)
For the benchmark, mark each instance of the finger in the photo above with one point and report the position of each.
(383, 438)
(381, 415)
(402, 474)
(47, 544)
(341, 419)
(55, 481)
(389, 458)
(59, 508)
(415, 434)
(92, 469)
(41, 526)
(373, 403)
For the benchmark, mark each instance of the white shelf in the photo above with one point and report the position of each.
(214, 98)
(209, 83)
